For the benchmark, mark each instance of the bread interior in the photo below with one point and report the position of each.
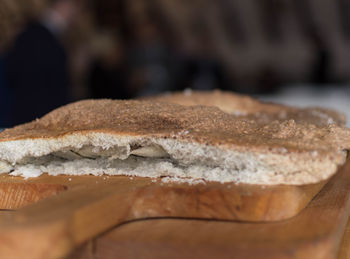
(111, 154)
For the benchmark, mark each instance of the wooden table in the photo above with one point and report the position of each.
(321, 230)
(54, 226)
(110, 245)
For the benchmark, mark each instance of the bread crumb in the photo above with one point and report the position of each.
(239, 113)
(323, 116)
(283, 150)
(182, 180)
(188, 92)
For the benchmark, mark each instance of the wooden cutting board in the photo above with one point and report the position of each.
(315, 233)
(62, 212)
(109, 245)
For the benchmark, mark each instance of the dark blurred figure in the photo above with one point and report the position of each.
(268, 80)
(203, 73)
(322, 63)
(37, 64)
(149, 61)
(5, 97)
(201, 69)
(107, 77)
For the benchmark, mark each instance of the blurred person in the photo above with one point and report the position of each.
(204, 73)
(37, 66)
(107, 76)
(268, 80)
(5, 97)
(201, 68)
(321, 66)
(149, 61)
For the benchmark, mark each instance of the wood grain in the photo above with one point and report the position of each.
(344, 251)
(315, 233)
(108, 246)
(153, 199)
(53, 227)
(17, 195)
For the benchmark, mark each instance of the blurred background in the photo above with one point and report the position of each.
(56, 51)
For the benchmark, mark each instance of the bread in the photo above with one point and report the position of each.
(250, 108)
(155, 139)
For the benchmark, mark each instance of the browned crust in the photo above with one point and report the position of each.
(198, 124)
(242, 105)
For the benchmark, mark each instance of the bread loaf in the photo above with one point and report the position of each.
(158, 139)
(250, 108)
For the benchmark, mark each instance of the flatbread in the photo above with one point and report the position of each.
(157, 139)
